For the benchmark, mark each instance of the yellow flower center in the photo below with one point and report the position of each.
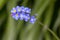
(14, 10)
(16, 14)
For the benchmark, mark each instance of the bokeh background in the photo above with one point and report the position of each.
(47, 26)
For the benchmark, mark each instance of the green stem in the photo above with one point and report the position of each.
(53, 34)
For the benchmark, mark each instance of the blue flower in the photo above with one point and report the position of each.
(16, 16)
(21, 17)
(32, 19)
(23, 13)
(18, 9)
(22, 8)
(27, 10)
(26, 17)
(13, 10)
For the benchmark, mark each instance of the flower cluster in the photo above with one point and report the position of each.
(22, 13)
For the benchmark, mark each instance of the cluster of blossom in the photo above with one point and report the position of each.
(22, 13)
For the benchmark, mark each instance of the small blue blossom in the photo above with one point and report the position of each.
(16, 16)
(22, 8)
(32, 19)
(13, 10)
(18, 9)
(26, 17)
(21, 16)
(27, 10)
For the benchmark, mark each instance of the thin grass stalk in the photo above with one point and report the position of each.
(47, 19)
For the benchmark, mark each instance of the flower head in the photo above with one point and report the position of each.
(16, 16)
(13, 10)
(33, 19)
(27, 10)
(26, 17)
(22, 13)
(22, 16)
(18, 9)
(22, 8)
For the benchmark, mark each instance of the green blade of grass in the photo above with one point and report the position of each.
(2, 3)
(10, 26)
(47, 36)
(57, 22)
(48, 17)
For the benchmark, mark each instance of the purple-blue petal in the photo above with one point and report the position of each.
(22, 8)
(15, 16)
(27, 10)
(21, 16)
(18, 9)
(33, 19)
(13, 10)
(26, 17)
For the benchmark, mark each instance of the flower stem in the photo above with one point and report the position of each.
(53, 34)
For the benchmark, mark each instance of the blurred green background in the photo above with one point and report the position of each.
(47, 26)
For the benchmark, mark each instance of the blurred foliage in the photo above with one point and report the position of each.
(47, 26)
